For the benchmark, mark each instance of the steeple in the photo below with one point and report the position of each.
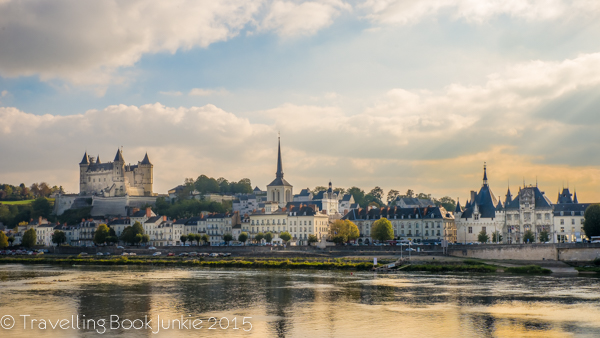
(457, 209)
(119, 156)
(279, 173)
(485, 179)
(85, 159)
(98, 160)
(508, 197)
(146, 160)
(575, 198)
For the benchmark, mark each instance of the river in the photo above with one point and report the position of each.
(52, 301)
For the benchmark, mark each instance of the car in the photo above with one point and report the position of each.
(132, 254)
(40, 253)
(170, 254)
(184, 254)
(120, 247)
(156, 253)
(83, 254)
(410, 249)
(124, 254)
(107, 254)
(213, 255)
(151, 248)
(193, 254)
(227, 254)
(99, 254)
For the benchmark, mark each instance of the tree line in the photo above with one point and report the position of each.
(375, 197)
(209, 185)
(22, 192)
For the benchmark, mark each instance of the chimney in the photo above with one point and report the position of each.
(165, 218)
(148, 212)
(40, 220)
(134, 210)
(473, 194)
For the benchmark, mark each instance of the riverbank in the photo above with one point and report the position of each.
(350, 263)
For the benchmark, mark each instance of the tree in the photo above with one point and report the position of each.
(318, 188)
(528, 237)
(227, 238)
(205, 238)
(145, 239)
(268, 237)
(447, 202)
(358, 194)
(483, 237)
(345, 230)
(183, 239)
(11, 240)
(3, 240)
(496, 237)
(139, 238)
(591, 225)
(382, 230)
(339, 191)
(243, 237)
(285, 236)
(59, 237)
(130, 233)
(410, 193)
(101, 235)
(312, 239)
(392, 195)
(192, 238)
(259, 237)
(29, 238)
(544, 236)
(41, 207)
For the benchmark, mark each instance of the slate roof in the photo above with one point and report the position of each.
(346, 198)
(146, 160)
(484, 200)
(568, 208)
(397, 212)
(85, 159)
(296, 205)
(119, 156)
(100, 166)
(304, 192)
(154, 219)
(458, 208)
(565, 197)
(279, 180)
(140, 213)
(541, 201)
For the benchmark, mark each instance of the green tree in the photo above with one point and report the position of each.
(376, 195)
(59, 237)
(344, 228)
(312, 239)
(528, 237)
(268, 237)
(591, 225)
(259, 237)
(3, 240)
(29, 238)
(339, 191)
(205, 239)
(41, 207)
(227, 238)
(193, 237)
(496, 237)
(130, 233)
(11, 240)
(145, 239)
(339, 239)
(382, 230)
(358, 194)
(410, 193)
(243, 237)
(285, 236)
(101, 235)
(183, 239)
(392, 195)
(447, 202)
(544, 236)
(138, 239)
(318, 188)
(483, 237)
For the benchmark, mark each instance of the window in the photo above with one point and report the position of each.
(547, 217)
(426, 232)
(538, 216)
(562, 229)
(582, 221)
(508, 217)
(562, 221)
(572, 220)
(470, 230)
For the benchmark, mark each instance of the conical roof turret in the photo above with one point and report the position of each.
(146, 160)
(85, 159)
(119, 156)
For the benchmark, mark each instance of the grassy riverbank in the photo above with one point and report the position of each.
(275, 264)
(588, 269)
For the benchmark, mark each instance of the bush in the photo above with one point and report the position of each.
(528, 269)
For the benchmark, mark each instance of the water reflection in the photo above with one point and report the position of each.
(302, 303)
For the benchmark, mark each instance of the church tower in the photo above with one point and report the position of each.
(279, 190)
(146, 171)
(83, 167)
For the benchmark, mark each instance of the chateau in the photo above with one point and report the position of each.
(114, 179)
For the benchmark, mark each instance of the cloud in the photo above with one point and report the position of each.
(409, 12)
(293, 18)
(207, 92)
(171, 93)
(433, 141)
(4, 93)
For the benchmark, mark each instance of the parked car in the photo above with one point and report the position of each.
(184, 254)
(170, 254)
(213, 255)
(83, 254)
(151, 248)
(156, 253)
(132, 254)
(107, 254)
(120, 247)
(227, 254)
(410, 249)
(193, 254)
(99, 254)
(124, 254)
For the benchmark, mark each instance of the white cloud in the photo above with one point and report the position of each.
(408, 12)
(208, 92)
(405, 139)
(4, 93)
(171, 93)
(290, 18)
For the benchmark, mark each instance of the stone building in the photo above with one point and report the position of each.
(568, 217)
(279, 190)
(113, 179)
(529, 210)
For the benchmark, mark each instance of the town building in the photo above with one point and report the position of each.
(279, 190)
(568, 216)
(530, 210)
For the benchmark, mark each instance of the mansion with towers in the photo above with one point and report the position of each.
(115, 179)
(530, 210)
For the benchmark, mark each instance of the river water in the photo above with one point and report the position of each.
(171, 302)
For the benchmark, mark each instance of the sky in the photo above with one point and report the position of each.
(391, 93)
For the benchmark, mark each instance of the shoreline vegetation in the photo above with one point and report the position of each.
(292, 263)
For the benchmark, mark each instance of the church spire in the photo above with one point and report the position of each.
(98, 159)
(485, 179)
(119, 156)
(85, 159)
(279, 173)
(575, 198)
